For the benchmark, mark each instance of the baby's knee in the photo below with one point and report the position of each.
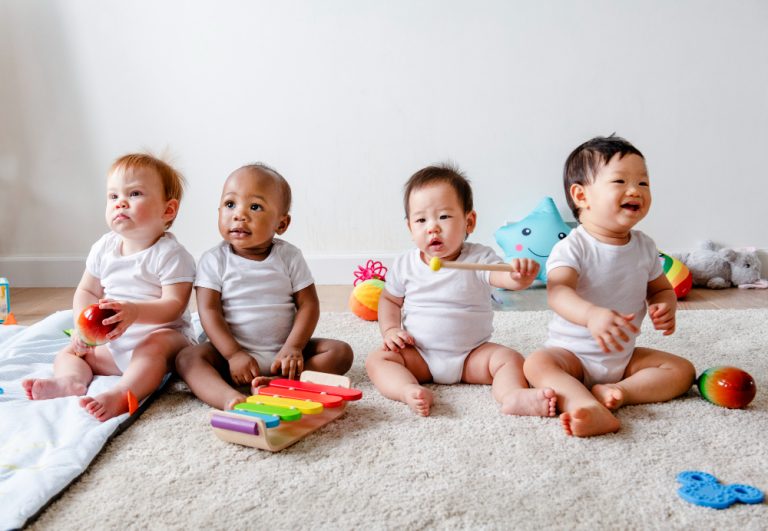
(343, 356)
(536, 363)
(376, 358)
(188, 356)
(506, 357)
(686, 370)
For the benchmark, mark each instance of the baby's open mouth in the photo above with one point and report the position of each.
(634, 207)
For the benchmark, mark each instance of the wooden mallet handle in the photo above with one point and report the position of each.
(436, 264)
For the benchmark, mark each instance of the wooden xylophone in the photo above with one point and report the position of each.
(285, 411)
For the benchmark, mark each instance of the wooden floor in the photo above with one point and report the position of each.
(29, 305)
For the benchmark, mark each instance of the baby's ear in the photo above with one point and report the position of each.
(471, 222)
(578, 195)
(171, 210)
(282, 225)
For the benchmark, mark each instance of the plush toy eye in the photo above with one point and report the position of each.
(561, 235)
(526, 231)
(748, 265)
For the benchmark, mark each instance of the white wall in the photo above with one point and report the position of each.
(348, 98)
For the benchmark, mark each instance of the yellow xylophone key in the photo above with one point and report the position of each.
(304, 406)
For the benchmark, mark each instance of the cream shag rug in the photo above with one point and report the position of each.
(466, 466)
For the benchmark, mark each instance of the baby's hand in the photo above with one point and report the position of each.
(126, 314)
(242, 368)
(79, 347)
(608, 327)
(524, 270)
(396, 339)
(663, 317)
(289, 361)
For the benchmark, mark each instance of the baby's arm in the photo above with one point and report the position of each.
(290, 359)
(524, 271)
(662, 304)
(395, 338)
(242, 367)
(88, 292)
(173, 300)
(607, 326)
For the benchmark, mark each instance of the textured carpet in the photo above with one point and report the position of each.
(466, 466)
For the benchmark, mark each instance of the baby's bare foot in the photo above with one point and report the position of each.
(418, 398)
(531, 402)
(610, 395)
(588, 421)
(231, 401)
(42, 389)
(106, 405)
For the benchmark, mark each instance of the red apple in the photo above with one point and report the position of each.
(90, 325)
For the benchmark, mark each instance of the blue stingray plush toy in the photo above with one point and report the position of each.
(534, 235)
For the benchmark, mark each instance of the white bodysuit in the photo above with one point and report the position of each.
(257, 297)
(140, 277)
(448, 312)
(611, 276)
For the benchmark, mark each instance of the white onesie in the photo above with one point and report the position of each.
(611, 276)
(257, 297)
(140, 277)
(448, 312)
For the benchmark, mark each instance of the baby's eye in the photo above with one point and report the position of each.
(135, 193)
(229, 204)
(256, 207)
(419, 220)
(444, 216)
(112, 197)
(643, 183)
(618, 181)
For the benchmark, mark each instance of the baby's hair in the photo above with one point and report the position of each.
(440, 173)
(586, 161)
(172, 180)
(285, 188)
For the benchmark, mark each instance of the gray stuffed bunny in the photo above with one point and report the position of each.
(716, 268)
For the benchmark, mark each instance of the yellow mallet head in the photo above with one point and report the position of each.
(434, 264)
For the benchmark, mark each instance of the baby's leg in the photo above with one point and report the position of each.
(71, 375)
(650, 376)
(202, 367)
(503, 368)
(328, 355)
(151, 360)
(562, 371)
(397, 376)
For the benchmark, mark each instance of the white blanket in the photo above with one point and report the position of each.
(45, 444)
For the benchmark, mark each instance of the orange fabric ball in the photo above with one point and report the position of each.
(364, 300)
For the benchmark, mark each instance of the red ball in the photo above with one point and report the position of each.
(90, 326)
(728, 387)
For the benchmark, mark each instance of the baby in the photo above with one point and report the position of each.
(256, 298)
(436, 326)
(141, 272)
(599, 280)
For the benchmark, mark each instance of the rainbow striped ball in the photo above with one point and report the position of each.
(364, 301)
(677, 273)
(727, 387)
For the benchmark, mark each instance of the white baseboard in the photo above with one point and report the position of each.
(48, 272)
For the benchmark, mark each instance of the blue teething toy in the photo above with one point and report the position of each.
(703, 489)
(534, 235)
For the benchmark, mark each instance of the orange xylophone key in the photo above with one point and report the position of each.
(325, 399)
